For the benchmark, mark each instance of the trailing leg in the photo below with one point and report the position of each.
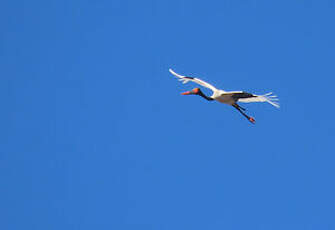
(251, 119)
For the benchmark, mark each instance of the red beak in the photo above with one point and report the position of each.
(186, 93)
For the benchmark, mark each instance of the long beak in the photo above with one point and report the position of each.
(187, 93)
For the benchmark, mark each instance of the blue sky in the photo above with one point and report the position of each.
(95, 133)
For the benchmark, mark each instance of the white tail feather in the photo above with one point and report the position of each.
(268, 97)
(272, 99)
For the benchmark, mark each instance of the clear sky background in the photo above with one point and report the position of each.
(95, 134)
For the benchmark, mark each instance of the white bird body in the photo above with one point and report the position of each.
(225, 97)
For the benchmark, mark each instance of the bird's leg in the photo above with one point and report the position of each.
(244, 109)
(239, 108)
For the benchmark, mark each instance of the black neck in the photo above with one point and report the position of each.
(204, 96)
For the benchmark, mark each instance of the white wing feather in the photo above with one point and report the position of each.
(272, 99)
(186, 79)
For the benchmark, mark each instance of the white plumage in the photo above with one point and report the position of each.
(269, 97)
(185, 79)
(230, 98)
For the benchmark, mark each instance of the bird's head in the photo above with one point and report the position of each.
(195, 91)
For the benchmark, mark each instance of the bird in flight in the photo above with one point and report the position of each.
(230, 98)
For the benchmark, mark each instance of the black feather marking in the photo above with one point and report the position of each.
(242, 95)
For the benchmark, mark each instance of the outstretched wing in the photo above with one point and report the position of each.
(185, 79)
(248, 97)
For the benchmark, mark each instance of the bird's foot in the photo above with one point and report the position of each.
(252, 120)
